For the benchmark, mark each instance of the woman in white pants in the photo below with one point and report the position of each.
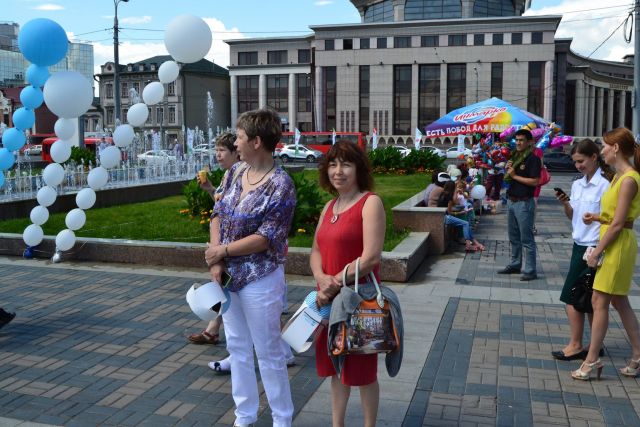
(248, 239)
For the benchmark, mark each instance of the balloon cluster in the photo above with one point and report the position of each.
(545, 137)
(187, 38)
(489, 153)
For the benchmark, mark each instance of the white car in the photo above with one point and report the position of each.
(157, 157)
(33, 150)
(402, 149)
(453, 153)
(288, 152)
(205, 149)
(434, 150)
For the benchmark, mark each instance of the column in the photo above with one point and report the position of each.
(262, 91)
(610, 109)
(599, 111)
(293, 104)
(591, 108)
(443, 90)
(234, 100)
(621, 108)
(548, 91)
(319, 99)
(579, 103)
(414, 97)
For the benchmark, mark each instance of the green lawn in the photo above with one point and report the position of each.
(161, 220)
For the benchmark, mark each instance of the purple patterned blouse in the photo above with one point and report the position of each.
(266, 211)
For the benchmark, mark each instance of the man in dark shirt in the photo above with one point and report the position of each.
(524, 172)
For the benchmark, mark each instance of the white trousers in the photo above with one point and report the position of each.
(253, 321)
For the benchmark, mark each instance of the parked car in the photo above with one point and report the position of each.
(205, 149)
(453, 153)
(558, 161)
(402, 149)
(33, 150)
(288, 153)
(157, 157)
(434, 150)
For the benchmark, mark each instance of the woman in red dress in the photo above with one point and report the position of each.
(351, 225)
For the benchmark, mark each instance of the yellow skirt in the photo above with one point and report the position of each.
(614, 275)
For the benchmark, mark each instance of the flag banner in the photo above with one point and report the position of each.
(418, 138)
(374, 139)
(333, 137)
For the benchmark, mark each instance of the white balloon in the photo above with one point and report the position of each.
(478, 192)
(53, 175)
(188, 38)
(39, 215)
(46, 196)
(65, 240)
(75, 219)
(110, 157)
(33, 235)
(64, 128)
(98, 178)
(168, 71)
(138, 114)
(86, 198)
(123, 135)
(153, 93)
(68, 94)
(60, 151)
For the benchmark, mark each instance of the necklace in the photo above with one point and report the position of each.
(260, 180)
(335, 215)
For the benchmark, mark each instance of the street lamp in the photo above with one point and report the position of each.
(116, 59)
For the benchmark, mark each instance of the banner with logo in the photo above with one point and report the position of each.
(418, 139)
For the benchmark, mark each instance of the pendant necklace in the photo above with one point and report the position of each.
(260, 180)
(335, 216)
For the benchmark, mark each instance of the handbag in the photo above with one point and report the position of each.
(583, 290)
(545, 176)
(370, 328)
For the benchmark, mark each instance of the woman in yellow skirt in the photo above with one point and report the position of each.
(620, 206)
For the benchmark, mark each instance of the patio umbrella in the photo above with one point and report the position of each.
(490, 115)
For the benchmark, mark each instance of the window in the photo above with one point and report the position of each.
(347, 44)
(277, 57)
(159, 115)
(304, 56)
(456, 86)
(172, 114)
(382, 43)
(247, 58)
(123, 116)
(478, 39)
(329, 45)
(109, 90)
(536, 37)
(536, 89)
(364, 99)
(486, 8)
(171, 89)
(304, 92)
(379, 12)
(428, 94)
(432, 9)
(110, 115)
(457, 39)
(247, 93)
(136, 86)
(402, 99)
(330, 83)
(498, 39)
(364, 43)
(124, 89)
(496, 79)
(516, 38)
(278, 92)
(429, 41)
(402, 42)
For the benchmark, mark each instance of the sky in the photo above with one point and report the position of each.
(142, 22)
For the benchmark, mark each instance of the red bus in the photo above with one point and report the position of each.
(322, 141)
(90, 142)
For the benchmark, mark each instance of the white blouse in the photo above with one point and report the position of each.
(585, 197)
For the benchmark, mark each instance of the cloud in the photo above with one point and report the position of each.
(323, 2)
(134, 20)
(48, 6)
(588, 29)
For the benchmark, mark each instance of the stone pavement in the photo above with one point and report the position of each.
(101, 344)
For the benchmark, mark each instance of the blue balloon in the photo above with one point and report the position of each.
(43, 41)
(1, 179)
(37, 75)
(31, 97)
(13, 139)
(6, 159)
(24, 118)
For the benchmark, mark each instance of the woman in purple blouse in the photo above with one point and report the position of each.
(249, 231)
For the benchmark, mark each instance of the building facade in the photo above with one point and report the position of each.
(397, 71)
(185, 103)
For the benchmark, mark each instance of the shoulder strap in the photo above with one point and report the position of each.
(241, 168)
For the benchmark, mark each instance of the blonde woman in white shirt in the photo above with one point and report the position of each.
(585, 197)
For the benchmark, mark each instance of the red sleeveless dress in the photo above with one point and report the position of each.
(340, 243)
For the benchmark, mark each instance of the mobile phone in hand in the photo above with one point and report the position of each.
(226, 279)
(559, 191)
